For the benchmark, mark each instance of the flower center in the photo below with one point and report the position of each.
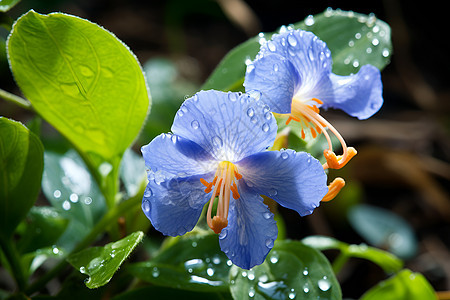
(308, 115)
(223, 186)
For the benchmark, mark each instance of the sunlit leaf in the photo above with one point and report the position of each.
(387, 261)
(85, 82)
(193, 262)
(21, 164)
(291, 271)
(100, 263)
(383, 228)
(405, 285)
(354, 40)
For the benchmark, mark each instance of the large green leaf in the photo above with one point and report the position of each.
(354, 40)
(192, 262)
(292, 270)
(85, 82)
(21, 164)
(100, 263)
(405, 285)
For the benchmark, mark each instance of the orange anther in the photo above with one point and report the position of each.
(333, 189)
(234, 190)
(317, 100)
(237, 175)
(313, 132)
(218, 224)
(303, 134)
(336, 162)
(204, 182)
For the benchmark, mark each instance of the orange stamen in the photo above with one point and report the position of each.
(224, 184)
(337, 162)
(313, 132)
(333, 189)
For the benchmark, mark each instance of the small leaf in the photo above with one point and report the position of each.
(70, 188)
(192, 262)
(383, 228)
(44, 226)
(21, 164)
(405, 285)
(6, 5)
(387, 261)
(292, 270)
(100, 263)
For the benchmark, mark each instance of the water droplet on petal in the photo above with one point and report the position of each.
(273, 192)
(271, 45)
(232, 96)
(250, 112)
(276, 67)
(146, 206)
(223, 234)
(269, 243)
(195, 124)
(284, 155)
(267, 215)
(265, 127)
(292, 40)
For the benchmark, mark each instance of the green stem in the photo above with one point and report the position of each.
(15, 99)
(107, 220)
(339, 262)
(14, 261)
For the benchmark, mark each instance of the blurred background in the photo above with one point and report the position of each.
(397, 193)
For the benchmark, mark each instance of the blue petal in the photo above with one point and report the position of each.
(295, 180)
(173, 156)
(251, 230)
(174, 205)
(230, 126)
(276, 78)
(359, 95)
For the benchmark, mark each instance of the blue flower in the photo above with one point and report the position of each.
(293, 71)
(218, 153)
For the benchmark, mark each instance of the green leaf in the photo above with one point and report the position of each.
(6, 5)
(405, 285)
(157, 292)
(44, 226)
(354, 40)
(291, 270)
(70, 188)
(192, 262)
(100, 263)
(387, 261)
(383, 228)
(21, 164)
(132, 172)
(85, 82)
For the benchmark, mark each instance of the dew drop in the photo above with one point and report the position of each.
(375, 42)
(263, 278)
(82, 270)
(232, 96)
(250, 112)
(267, 215)
(269, 244)
(251, 292)
(55, 250)
(284, 155)
(355, 63)
(306, 288)
(265, 127)
(173, 138)
(369, 50)
(292, 40)
(73, 197)
(155, 272)
(210, 271)
(194, 244)
(223, 234)
(66, 205)
(324, 284)
(268, 115)
(311, 54)
(271, 45)
(351, 43)
(148, 192)
(146, 206)
(274, 258)
(251, 275)
(385, 52)
(292, 294)
(309, 21)
(357, 35)
(195, 124)
(229, 262)
(87, 200)
(57, 194)
(273, 192)
(276, 67)
(305, 271)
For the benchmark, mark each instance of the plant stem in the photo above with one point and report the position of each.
(339, 262)
(15, 99)
(14, 261)
(107, 220)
